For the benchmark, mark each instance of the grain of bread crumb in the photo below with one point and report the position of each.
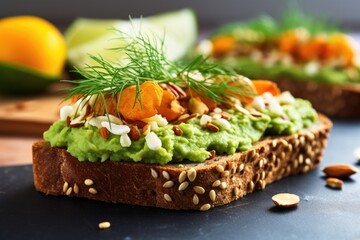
(104, 225)
(286, 200)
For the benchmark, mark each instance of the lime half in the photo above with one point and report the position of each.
(97, 37)
(15, 79)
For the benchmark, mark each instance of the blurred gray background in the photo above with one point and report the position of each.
(211, 13)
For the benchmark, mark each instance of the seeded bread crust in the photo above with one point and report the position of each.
(333, 100)
(215, 182)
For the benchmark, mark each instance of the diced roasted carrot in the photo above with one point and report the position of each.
(146, 103)
(341, 46)
(210, 103)
(110, 102)
(313, 49)
(245, 85)
(289, 41)
(263, 86)
(222, 44)
(170, 107)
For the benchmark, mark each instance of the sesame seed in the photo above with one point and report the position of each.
(88, 182)
(182, 176)
(302, 140)
(167, 197)
(223, 185)
(92, 191)
(166, 175)
(236, 192)
(76, 188)
(205, 207)
(305, 169)
(225, 174)
(274, 143)
(241, 167)
(216, 183)
(310, 136)
(219, 168)
(183, 186)
(262, 175)
(168, 184)
(154, 174)
(308, 161)
(262, 184)
(301, 159)
(69, 191)
(212, 195)
(251, 186)
(261, 163)
(195, 199)
(284, 142)
(104, 225)
(199, 189)
(65, 186)
(191, 174)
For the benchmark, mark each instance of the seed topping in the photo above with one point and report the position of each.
(166, 175)
(182, 176)
(93, 191)
(168, 184)
(219, 168)
(69, 191)
(212, 195)
(88, 182)
(65, 186)
(191, 174)
(199, 189)
(216, 183)
(154, 174)
(183, 186)
(195, 199)
(167, 197)
(76, 188)
(205, 207)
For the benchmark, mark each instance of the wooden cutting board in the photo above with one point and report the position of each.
(30, 117)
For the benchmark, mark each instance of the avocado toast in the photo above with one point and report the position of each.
(308, 57)
(157, 133)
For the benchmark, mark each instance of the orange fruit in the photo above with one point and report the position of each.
(33, 43)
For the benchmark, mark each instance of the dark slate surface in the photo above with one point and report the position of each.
(323, 213)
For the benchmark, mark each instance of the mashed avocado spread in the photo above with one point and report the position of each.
(86, 144)
(323, 74)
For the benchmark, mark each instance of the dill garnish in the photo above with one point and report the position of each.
(146, 61)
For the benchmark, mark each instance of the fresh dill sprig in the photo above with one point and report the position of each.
(146, 61)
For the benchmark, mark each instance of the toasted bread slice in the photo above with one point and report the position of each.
(201, 186)
(333, 100)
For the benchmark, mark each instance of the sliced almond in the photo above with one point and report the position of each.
(339, 170)
(334, 183)
(286, 200)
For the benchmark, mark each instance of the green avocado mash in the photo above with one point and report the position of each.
(254, 70)
(86, 144)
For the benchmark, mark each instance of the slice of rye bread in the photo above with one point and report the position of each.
(200, 186)
(333, 100)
